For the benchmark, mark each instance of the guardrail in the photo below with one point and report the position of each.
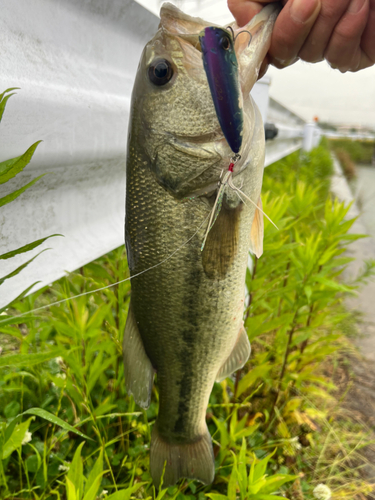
(75, 63)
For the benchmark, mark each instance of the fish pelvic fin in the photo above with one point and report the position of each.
(139, 372)
(170, 462)
(237, 358)
(257, 231)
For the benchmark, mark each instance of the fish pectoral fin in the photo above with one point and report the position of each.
(191, 460)
(139, 372)
(237, 358)
(257, 231)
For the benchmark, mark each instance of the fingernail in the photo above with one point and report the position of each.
(355, 6)
(303, 10)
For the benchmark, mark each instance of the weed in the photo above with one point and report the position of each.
(276, 422)
(359, 151)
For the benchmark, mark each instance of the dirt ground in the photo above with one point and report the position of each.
(360, 399)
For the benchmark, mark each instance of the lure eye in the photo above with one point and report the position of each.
(160, 72)
(225, 42)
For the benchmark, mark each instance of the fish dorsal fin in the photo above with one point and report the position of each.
(221, 246)
(177, 22)
(257, 231)
(237, 358)
(138, 370)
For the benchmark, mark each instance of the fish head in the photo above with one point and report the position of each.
(174, 105)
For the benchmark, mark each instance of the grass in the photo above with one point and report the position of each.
(277, 425)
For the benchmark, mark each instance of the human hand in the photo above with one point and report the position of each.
(340, 31)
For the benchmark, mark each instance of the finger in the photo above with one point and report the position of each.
(368, 40)
(291, 29)
(343, 51)
(320, 34)
(244, 10)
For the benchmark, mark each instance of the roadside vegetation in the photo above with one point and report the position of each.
(69, 431)
(351, 152)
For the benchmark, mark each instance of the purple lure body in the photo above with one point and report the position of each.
(221, 66)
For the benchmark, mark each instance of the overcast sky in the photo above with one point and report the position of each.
(307, 89)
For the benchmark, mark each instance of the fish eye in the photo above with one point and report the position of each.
(160, 72)
(225, 42)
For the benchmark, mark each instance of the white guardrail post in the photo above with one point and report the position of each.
(311, 136)
(75, 64)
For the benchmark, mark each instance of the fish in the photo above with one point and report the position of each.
(185, 318)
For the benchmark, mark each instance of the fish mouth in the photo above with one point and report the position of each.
(250, 56)
(251, 53)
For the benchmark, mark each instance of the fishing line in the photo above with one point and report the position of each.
(238, 191)
(113, 284)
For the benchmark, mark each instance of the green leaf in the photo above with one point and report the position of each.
(71, 492)
(16, 438)
(217, 496)
(20, 268)
(8, 90)
(10, 168)
(258, 372)
(95, 474)
(19, 297)
(33, 463)
(39, 412)
(11, 410)
(126, 494)
(12, 196)
(14, 320)
(334, 285)
(261, 466)
(232, 483)
(273, 483)
(242, 472)
(26, 248)
(4, 100)
(75, 474)
(19, 360)
(90, 493)
(268, 326)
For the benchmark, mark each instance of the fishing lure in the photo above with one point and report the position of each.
(221, 67)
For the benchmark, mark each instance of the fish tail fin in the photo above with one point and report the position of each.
(171, 462)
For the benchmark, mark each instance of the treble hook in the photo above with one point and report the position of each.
(239, 33)
(230, 28)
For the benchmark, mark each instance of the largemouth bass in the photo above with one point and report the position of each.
(185, 320)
